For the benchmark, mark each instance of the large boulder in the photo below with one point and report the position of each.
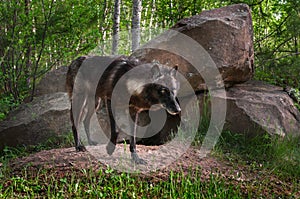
(37, 121)
(53, 81)
(255, 107)
(226, 34)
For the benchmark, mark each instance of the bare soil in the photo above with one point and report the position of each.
(66, 160)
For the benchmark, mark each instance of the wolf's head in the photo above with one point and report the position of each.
(164, 88)
(154, 84)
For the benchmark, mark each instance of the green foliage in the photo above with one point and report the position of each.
(294, 93)
(6, 104)
(37, 36)
(277, 154)
(204, 120)
(297, 96)
(277, 36)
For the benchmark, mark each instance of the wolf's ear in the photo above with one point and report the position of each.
(155, 71)
(173, 71)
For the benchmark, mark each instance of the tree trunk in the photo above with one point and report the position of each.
(152, 11)
(171, 19)
(136, 21)
(102, 23)
(42, 48)
(116, 27)
(296, 46)
(28, 63)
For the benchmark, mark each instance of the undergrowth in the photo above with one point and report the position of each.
(281, 156)
(109, 184)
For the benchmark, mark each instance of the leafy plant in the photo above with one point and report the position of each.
(280, 155)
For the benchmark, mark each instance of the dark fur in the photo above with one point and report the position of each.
(70, 79)
(150, 94)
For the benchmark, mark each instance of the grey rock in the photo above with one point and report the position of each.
(52, 82)
(37, 121)
(226, 34)
(255, 108)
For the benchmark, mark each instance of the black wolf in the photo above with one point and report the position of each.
(161, 91)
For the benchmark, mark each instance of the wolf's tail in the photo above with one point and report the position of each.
(71, 74)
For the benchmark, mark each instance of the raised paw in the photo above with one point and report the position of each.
(110, 148)
(136, 159)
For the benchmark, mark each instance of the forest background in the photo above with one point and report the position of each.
(41, 35)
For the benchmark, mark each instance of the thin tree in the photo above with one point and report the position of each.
(116, 27)
(102, 22)
(28, 45)
(47, 17)
(136, 21)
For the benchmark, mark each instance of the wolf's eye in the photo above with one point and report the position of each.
(163, 90)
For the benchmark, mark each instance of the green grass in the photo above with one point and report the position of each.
(280, 156)
(109, 184)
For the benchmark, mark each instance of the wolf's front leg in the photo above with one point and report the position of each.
(134, 156)
(90, 110)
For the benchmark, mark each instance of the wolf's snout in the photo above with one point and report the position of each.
(174, 112)
(174, 109)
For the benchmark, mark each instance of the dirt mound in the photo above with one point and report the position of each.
(67, 159)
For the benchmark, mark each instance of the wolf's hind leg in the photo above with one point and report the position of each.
(110, 148)
(78, 145)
